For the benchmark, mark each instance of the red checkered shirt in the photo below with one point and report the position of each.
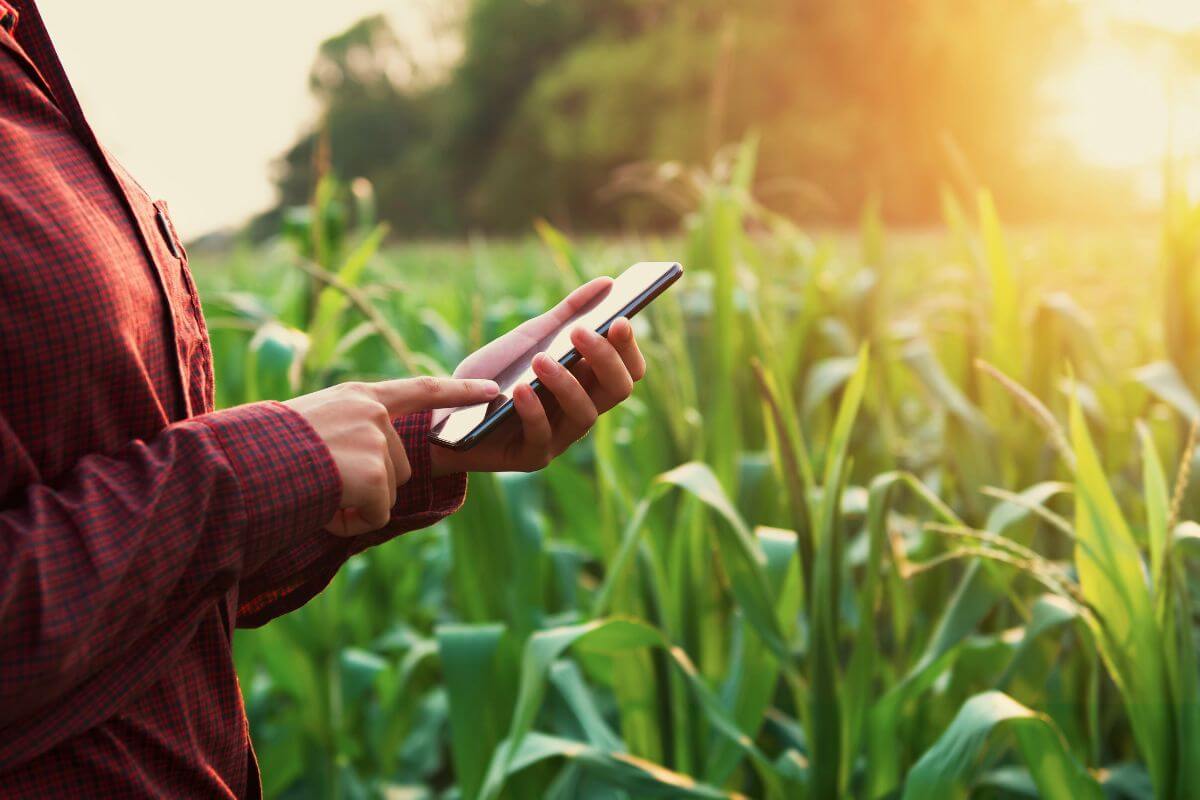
(138, 526)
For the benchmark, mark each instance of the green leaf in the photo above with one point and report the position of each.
(827, 772)
(567, 678)
(1050, 612)
(740, 554)
(882, 716)
(1113, 582)
(274, 358)
(921, 360)
(565, 255)
(1007, 512)
(1158, 501)
(950, 768)
(1163, 380)
(824, 378)
(359, 670)
(622, 770)
(607, 637)
(324, 328)
(471, 656)
(1004, 350)
(750, 687)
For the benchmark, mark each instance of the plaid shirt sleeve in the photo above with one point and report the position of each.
(294, 576)
(137, 543)
(135, 522)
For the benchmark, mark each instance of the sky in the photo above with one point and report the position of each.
(197, 98)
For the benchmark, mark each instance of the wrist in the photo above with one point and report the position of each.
(443, 462)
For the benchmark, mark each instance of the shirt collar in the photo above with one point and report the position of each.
(8, 18)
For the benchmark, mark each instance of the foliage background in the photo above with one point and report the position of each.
(553, 101)
(894, 513)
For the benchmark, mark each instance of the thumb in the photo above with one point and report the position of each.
(406, 395)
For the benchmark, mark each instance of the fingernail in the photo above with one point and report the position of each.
(490, 388)
(543, 363)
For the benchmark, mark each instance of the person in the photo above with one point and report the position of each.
(138, 526)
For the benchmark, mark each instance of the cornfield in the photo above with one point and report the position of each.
(891, 515)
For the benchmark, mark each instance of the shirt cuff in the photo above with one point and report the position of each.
(290, 484)
(304, 569)
(425, 494)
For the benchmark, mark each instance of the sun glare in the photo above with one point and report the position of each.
(1172, 15)
(1113, 99)
(1113, 108)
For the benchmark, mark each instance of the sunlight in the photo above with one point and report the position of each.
(1113, 100)
(1171, 15)
(1113, 107)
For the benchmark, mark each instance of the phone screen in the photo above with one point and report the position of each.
(621, 298)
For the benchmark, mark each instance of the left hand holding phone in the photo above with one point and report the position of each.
(603, 379)
(354, 420)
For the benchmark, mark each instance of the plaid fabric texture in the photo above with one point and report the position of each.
(138, 527)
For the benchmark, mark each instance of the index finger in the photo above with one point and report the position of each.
(406, 395)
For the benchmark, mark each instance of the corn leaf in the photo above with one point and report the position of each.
(1113, 582)
(619, 770)
(950, 767)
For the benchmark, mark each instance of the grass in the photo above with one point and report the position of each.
(891, 515)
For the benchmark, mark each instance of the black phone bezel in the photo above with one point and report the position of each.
(505, 411)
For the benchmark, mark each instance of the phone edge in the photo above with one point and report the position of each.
(638, 304)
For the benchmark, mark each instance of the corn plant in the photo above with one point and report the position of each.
(890, 516)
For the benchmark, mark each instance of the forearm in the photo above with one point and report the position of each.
(128, 544)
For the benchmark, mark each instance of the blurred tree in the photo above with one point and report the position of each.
(375, 128)
(550, 97)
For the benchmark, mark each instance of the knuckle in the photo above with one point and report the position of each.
(429, 384)
(378, 440)
(378, 414)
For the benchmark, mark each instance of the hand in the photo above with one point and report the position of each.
(600, 381)
(354, 420)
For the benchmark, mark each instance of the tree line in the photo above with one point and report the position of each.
(553, 105)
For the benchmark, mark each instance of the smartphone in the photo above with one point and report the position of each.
(632, 291)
